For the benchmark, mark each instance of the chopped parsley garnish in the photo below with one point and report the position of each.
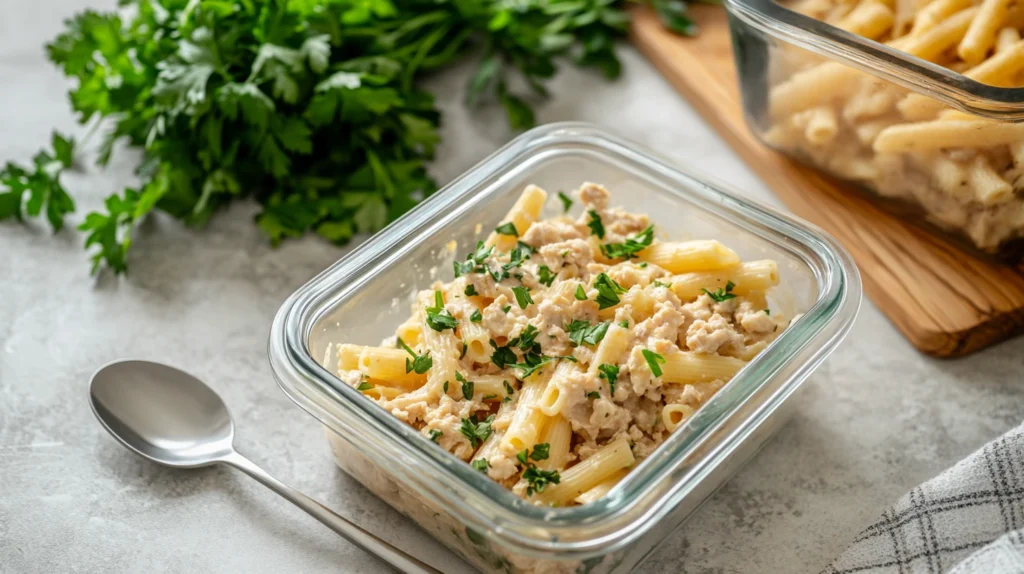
(520, 253)
(498, 275)
(537, 480)
(507, 229)
(489, 397)
(476, 432)
(631, 246)
(532, 362)
(767, 311)
(624, 324)
(505, 309)
(643, 264)
(471, 290)
(722, 294)
(522, 296)
(481, 464)
(657, 283)
(364, 386)
(583, 332)
(434, 435)
(503, 356)
(609, 373)
(464, 347)
(595, 225)
(420, 363)
(467, 386)
(508, 388)
(593, 395)
(474, 262)
(652, 361)
(581, 295)
(546, 277)
(566, 201)
(438, 318)
(476, 317)
(526, 340)
(445, 387)
(607, 291)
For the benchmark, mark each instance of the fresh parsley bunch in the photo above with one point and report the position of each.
(309, 107)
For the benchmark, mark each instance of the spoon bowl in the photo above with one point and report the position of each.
(162, 413)
(170, 417)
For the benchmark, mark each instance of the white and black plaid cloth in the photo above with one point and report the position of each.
(967, 520)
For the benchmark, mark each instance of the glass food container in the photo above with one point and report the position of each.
(364, 296)
(934, 145)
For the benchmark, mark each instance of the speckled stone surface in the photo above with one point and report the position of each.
(876, 419)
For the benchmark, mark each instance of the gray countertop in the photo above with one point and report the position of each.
(877, 418)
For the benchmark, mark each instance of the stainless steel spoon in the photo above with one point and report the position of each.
(173, 418)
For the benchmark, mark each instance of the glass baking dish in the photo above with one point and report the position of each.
(364, 296)
(933, 145)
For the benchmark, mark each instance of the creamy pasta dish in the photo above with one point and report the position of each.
(966, 172)
(565, 350)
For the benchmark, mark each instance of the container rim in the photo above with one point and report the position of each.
(644, 496)
(880, 60)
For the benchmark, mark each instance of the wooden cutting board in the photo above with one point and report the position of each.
(946, 302)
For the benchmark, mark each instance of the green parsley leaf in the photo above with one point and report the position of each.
(480, 464)
(607, 291)
(652, 361)
(595, 225)
(767, 311)
(527, 339)
(581, 295)
(502, 356)
(471, 290)
(630, 247)
(464, 348)
(545, 276)
(508, 388)
(519, 254)
(434, 435)
(609, 373)
(624, 324)
(540, 451)
(420, 363)
(537, 480)
(522, 296)
(566, 201)
(445, 387)
(364, 386)
(476, 432)
(467, 386)
(581, 332)
(593, 395)
(643, 265)
(506, 309)
(476, 317)
(507, 229)
(657, 283)
(533, 362)
(438, 318)
(720, 294)
(489, 397)
(474, 262)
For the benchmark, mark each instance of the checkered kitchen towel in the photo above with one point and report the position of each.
(967, 520)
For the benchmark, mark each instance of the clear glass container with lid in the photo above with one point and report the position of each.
(917, 103)
(364, 296)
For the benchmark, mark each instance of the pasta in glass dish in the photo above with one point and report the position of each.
(964, 172)
(564, 351)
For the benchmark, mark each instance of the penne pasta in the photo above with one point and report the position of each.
(524, 365)
(522, 215)
(602, 488)
(945, 134)
(580, 478)
(674, 415)
(700, 255)
(747, 277)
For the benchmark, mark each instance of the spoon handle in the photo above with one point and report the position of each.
(351, 532)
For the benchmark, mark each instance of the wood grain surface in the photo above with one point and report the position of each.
(947, 302)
